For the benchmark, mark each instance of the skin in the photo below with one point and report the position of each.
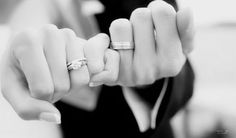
(34, 73)
(155, 56)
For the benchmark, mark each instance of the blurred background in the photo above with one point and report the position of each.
(211, 113)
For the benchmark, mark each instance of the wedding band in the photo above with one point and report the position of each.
(122, 45)
(76, 64)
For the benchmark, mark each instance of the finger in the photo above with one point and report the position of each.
(143, 30)
(169, 49)
(28, 108)
(110, 74)
(74, 50)
(29, 53)
(55, 53)
(94, 52)
(121, 31)
(186, 30)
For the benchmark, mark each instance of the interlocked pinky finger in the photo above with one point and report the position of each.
(110, 73)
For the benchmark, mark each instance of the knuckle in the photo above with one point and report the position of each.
(24, 111)
(145, 78)
(25, 37)
(96, 67)
(69, 36)
(149, 81)
(112, 54)
(141, 14)
(113, 76)
(25, 41)
(104, 36)
(187, 49)
(151, 76)
(49, 31)
(4, 92)
(68, 33)
(49, 27)
(140, 82)
(146, 74)
(62, 87)
(43, 92)
(24, 114)
(172, 68)
(81, 42)
(161, 8)
(115, 54)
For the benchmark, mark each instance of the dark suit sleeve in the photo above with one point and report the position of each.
(179, 92)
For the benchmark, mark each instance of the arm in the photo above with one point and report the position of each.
(33, 13)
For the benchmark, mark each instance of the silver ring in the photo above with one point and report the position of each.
(76, 64)
(122, 45)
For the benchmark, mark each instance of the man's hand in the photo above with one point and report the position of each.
(162, 39)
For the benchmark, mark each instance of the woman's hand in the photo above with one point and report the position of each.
(34, 69)
(162, 40)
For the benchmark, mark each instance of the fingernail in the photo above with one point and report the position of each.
(94, 84)
(50, 117)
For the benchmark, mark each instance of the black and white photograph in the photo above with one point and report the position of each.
(117, 69)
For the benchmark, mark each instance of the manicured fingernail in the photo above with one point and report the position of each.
(94, 84)
(50, 117)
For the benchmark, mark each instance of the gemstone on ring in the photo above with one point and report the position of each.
(76, 64)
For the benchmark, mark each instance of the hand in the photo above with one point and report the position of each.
(103, 63)
(103, 67)
(162, 38)
(34, 71)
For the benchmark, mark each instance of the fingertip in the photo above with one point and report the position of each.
(113, 55)
(34, 109)
(95, 84)
(50, 117)
(121, 30)
(103, 36)
(42, 92)
(95, 66)
(161, 7)
(186, 28)
(185, 20)
(46, 111)
(119, 23)
(141, 15)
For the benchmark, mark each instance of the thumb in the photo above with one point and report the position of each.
(31, 109)
(15, 92)
(185, 25)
